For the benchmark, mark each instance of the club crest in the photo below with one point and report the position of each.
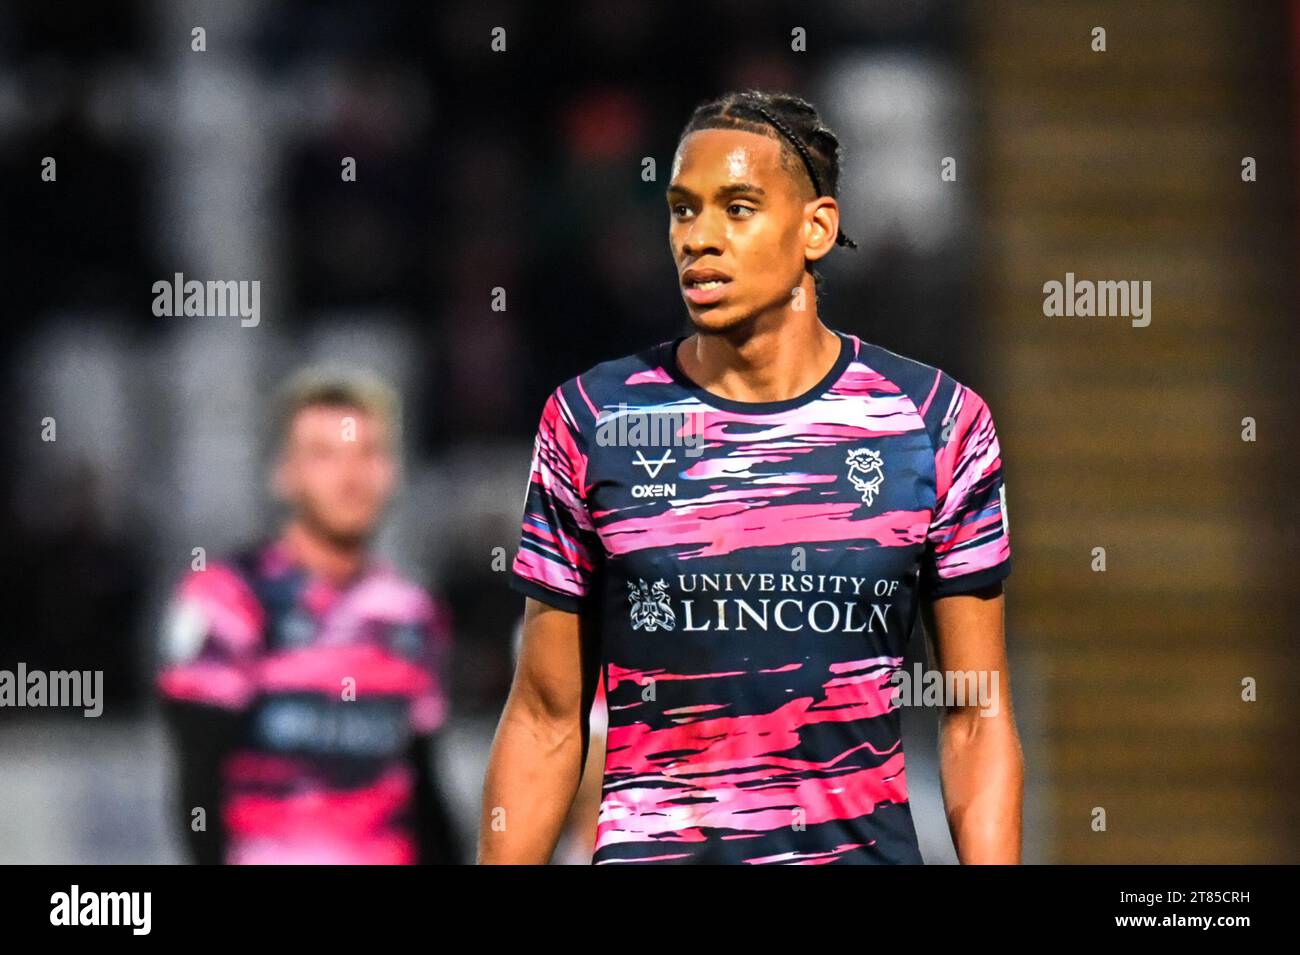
(866, 472)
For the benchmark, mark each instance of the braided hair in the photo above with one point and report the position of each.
(816, 147)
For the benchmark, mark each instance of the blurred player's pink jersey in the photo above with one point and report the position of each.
(335, 684)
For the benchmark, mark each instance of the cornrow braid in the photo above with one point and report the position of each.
(795, 141)
(728, 112)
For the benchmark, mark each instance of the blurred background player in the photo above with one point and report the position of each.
(303, 678)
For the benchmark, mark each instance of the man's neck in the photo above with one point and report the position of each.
(775, 359)
(334, 562)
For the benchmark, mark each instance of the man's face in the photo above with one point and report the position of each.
(337, 471)
(737, 214)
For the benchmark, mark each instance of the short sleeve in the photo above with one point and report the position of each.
(967, 544)
(558, 544)
(210, 636)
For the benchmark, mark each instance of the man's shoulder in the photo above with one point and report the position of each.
(214, 601)
(222, 576)
(938, 397)
(637, 378)
(911, 375)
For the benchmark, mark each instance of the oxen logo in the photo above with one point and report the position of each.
(650, 607)
(866, 472)
(652, 466)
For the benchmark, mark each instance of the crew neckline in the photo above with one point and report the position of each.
(704, 396)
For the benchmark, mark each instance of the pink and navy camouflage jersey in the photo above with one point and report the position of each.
(756, 569)
(318, 777)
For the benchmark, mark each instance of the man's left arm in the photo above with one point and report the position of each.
(981, 764)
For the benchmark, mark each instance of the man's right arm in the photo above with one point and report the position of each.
(541, 741)
(210, 632)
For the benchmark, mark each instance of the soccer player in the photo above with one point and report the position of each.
(740, 527)
(304, 678)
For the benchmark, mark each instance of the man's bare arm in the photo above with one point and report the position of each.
(981, 764)
(537, 756)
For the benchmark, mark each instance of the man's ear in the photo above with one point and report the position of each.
(822, 228)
